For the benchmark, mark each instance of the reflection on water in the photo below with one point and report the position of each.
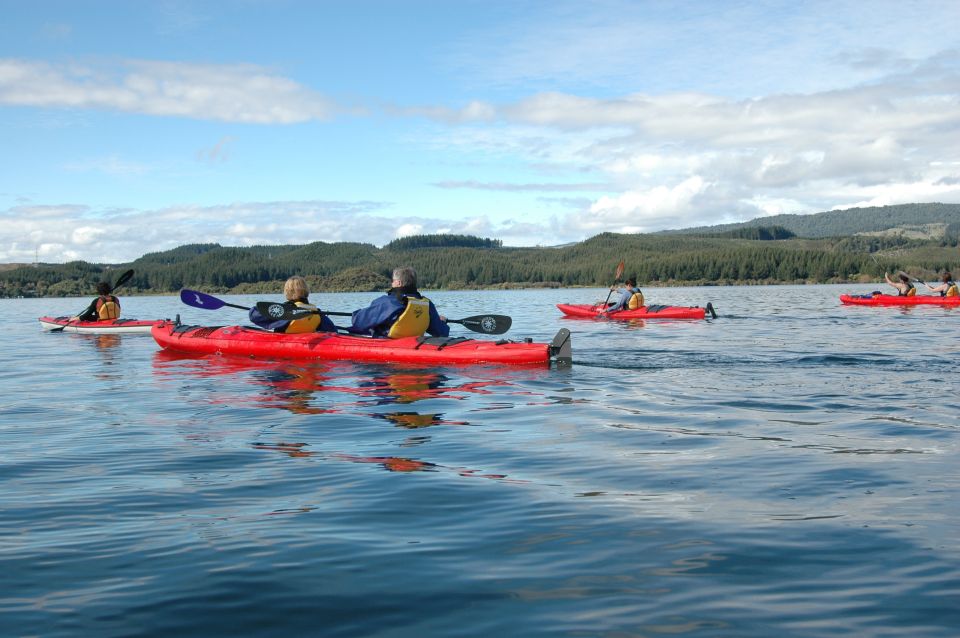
(320, 387)
(788, 469)
(324, 388)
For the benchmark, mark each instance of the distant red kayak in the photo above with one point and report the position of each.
(895, 300)
(239, 340)
(644, 312)
(110, 326)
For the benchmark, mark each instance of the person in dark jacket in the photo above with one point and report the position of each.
(401, 312)
(103, 308)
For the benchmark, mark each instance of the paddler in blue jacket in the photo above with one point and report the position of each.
(296, 291)
(402, 312)
(631, 297)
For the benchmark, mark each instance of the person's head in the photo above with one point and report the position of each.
(904, 278)
(404, 277)
(631, 282)
(947, 276)
(295, 288)
(103, 288)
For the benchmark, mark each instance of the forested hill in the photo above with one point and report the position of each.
(840, 223)
(775, 253)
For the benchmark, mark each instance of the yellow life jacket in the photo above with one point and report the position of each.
(911, 292)
(636, 301)
(952, 291)
(309, 323)
(108, 308)
(413, 321)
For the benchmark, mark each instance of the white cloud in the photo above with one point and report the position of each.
(226, 92)
(405, 230)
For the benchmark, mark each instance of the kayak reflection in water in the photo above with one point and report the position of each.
(389, 463)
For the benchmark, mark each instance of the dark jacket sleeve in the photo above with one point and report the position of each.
(90, 314)
(326, 325)
(437, 327)
(373, 318)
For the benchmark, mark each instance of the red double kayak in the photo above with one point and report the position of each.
(643, 312)
(240, 340)
(110, 326)
(895, 300)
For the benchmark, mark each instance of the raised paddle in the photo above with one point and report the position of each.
(616, 278)
(122, 279)
(487, 324)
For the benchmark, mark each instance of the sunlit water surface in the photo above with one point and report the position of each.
(789, 469)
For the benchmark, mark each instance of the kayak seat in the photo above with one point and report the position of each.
(201, 331)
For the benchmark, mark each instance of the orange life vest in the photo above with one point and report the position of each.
(108, 308)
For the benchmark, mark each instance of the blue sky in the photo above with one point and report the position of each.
(134, 127)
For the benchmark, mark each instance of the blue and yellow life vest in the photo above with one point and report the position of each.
(309, 323)
(413, 321)
(911, 291)
(108, 308)
(951, 290)
(636, 300)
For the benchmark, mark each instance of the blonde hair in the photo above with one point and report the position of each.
(295, 288)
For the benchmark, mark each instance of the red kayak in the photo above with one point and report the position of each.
(110, 326)
(895, 300)
(240, 340)
(643, 312)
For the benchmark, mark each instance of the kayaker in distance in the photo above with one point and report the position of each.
(296, 291)
(904, 287)
(631, 297)
(402, 312)
(103, 308)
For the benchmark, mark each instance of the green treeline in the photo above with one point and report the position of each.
(442, 241)
(653, 259)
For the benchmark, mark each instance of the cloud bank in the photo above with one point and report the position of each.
(226, 92)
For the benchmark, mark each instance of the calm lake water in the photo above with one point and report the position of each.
(789, 469)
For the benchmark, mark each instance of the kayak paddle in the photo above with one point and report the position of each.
(199, 299)
(616, 278)
(122, 279)
(487, 324)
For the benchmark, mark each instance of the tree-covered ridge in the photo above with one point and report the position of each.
(739, 255)
(442, 241)
(839, 223)
(759, 233)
